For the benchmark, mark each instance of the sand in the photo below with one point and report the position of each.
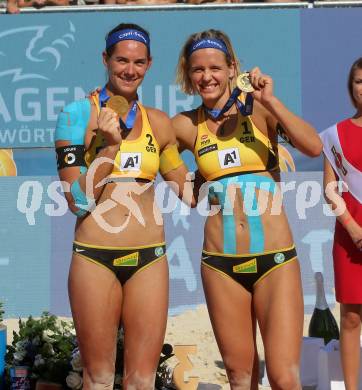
(194, 327)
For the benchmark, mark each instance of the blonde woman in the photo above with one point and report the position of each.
(249, 262)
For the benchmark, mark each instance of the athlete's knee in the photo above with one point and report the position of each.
(350, 320)
(240, 382)
(239, 379)
(96, 379)
(286, 379)
(138, 381)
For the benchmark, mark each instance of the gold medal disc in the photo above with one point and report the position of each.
(118, 104)
(243, 83)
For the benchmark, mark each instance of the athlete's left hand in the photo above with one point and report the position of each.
(263, 85)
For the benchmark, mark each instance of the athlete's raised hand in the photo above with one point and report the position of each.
(108, 125)
(263, 85)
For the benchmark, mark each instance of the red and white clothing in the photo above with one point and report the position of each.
(342, 144)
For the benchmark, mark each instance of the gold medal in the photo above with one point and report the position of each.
(243, 83)
(118, 104)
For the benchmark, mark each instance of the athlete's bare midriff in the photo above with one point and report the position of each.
(132, 218)
(274, 223)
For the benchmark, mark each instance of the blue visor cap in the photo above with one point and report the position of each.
(128, 35)
(208, 43)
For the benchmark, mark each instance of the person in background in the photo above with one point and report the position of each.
(140, 2)
(14, 6)
(249, 262)
(343, 162)
(109, 150)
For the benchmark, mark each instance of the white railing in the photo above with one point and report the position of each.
(175, 7)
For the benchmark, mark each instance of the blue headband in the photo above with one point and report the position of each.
(126, 35)
(208, 43)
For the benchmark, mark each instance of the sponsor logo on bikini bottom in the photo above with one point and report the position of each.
(249, 267)
(130, 260)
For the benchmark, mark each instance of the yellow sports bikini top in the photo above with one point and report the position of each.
(246, 149)
(139, 158)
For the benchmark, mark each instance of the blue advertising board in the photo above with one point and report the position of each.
(48, 60)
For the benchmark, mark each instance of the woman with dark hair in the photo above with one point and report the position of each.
(249, 262)
(343, 162)
(109, 151)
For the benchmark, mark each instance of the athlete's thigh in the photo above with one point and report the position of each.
(144, 316)
(96, 298)
(278, 302)
(232, 318)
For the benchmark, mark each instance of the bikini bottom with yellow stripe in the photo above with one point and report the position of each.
(123, 262)
(248, 269)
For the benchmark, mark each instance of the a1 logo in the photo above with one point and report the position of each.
(229, 158)
(131, 161)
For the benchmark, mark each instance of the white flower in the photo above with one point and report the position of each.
(74, 380)
(76, 361)
(47, 335)
(22, 344)
(19, 355)
(38, 360)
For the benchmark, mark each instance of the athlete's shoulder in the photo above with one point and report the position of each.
(155, 114)
(76, 109)
(185, 125)
(73, 120)
(186, 118)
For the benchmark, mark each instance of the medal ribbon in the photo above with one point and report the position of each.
(245, 109)
(131, 116)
